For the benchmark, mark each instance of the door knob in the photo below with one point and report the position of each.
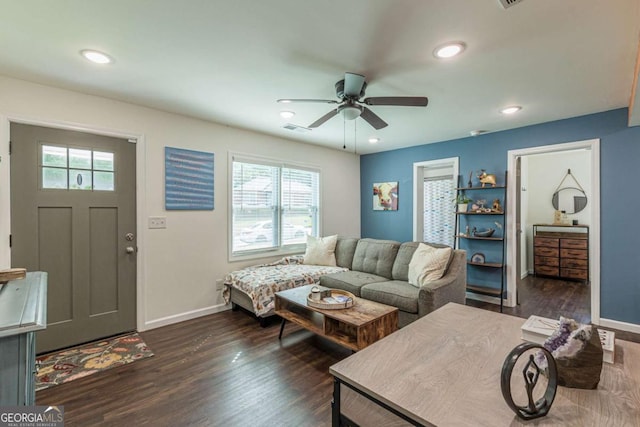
(130, 249)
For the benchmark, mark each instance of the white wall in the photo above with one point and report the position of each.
(543, 174)
(181, 263)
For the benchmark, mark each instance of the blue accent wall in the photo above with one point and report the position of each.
(619, 188)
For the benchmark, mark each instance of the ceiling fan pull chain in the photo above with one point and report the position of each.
(344, 133)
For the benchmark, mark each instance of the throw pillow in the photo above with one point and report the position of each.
(428, 263)
(321, 250)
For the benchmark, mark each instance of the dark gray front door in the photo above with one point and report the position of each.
(73, 216)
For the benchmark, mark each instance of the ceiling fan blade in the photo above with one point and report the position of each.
(324, 118)
(353, 85)
(324, 101)
(403, 101)
(373, 119)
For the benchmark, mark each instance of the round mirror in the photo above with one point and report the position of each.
(569, 199)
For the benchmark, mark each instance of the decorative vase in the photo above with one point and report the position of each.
(462, 207)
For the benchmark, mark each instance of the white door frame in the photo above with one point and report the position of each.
(418, 178)
(5, 193)
(594, 230)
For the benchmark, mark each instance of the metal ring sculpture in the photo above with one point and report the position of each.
(530, 373)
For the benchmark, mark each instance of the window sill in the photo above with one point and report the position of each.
(267, 253)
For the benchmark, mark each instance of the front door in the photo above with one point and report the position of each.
(73, 216)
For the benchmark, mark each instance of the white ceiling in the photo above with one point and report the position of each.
(229, 61)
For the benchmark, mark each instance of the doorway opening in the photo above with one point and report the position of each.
(538, 172)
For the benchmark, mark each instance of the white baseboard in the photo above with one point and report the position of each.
(176, 318)
(486, 298)
(622, 326)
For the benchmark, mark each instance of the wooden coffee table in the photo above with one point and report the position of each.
(444, 369)
(355, 328)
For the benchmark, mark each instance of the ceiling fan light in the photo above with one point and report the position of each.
(449, 50)
(287, 114)
(350, 112)
(96, 57)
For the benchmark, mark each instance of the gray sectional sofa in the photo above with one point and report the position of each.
(378, 271)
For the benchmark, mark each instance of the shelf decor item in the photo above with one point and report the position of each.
(484, 233)
(463, 202)
(478, 258)
(486, 178)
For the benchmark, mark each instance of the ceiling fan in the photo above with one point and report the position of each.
(350, 91)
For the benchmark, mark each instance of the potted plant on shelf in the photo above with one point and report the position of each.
(463, 201)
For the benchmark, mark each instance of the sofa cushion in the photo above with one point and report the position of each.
(396, 293)
(350, 281)
(405, 253)
(345, 248)
(428, 264)
(321, 250)
(375, 256)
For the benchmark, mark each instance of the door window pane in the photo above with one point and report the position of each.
(54, 178)
(79, 158)
(103, 181)
(73, 169)
(102, 161)
(54, 156)
(80, 179)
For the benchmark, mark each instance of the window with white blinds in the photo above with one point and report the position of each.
(273, 206)
(439, 213)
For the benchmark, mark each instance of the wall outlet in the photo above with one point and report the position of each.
(157, 222)
(219, 285)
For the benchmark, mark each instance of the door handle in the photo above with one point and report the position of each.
(130, 249)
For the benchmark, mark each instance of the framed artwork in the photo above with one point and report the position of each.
(385, 196)
(188, 179)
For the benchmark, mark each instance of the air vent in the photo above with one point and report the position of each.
(296, 128)
(508, 3)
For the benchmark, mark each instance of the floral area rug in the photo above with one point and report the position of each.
(78, 362)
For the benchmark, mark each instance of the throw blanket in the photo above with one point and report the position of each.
(261, 282)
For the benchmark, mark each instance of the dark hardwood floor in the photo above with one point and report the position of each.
(225, 370)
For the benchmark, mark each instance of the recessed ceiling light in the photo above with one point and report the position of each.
(287, 114)
(477, 132)
(449, 50)
(374, 140)
(96, 57)
(511, 110)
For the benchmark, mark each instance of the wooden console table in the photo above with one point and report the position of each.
(355, 327)
(444, 369)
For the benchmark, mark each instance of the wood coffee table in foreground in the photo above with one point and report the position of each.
(355, 328)
(444, 370)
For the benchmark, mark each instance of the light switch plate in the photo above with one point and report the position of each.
(157, 222)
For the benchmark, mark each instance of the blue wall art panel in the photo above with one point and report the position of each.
(188, 183)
